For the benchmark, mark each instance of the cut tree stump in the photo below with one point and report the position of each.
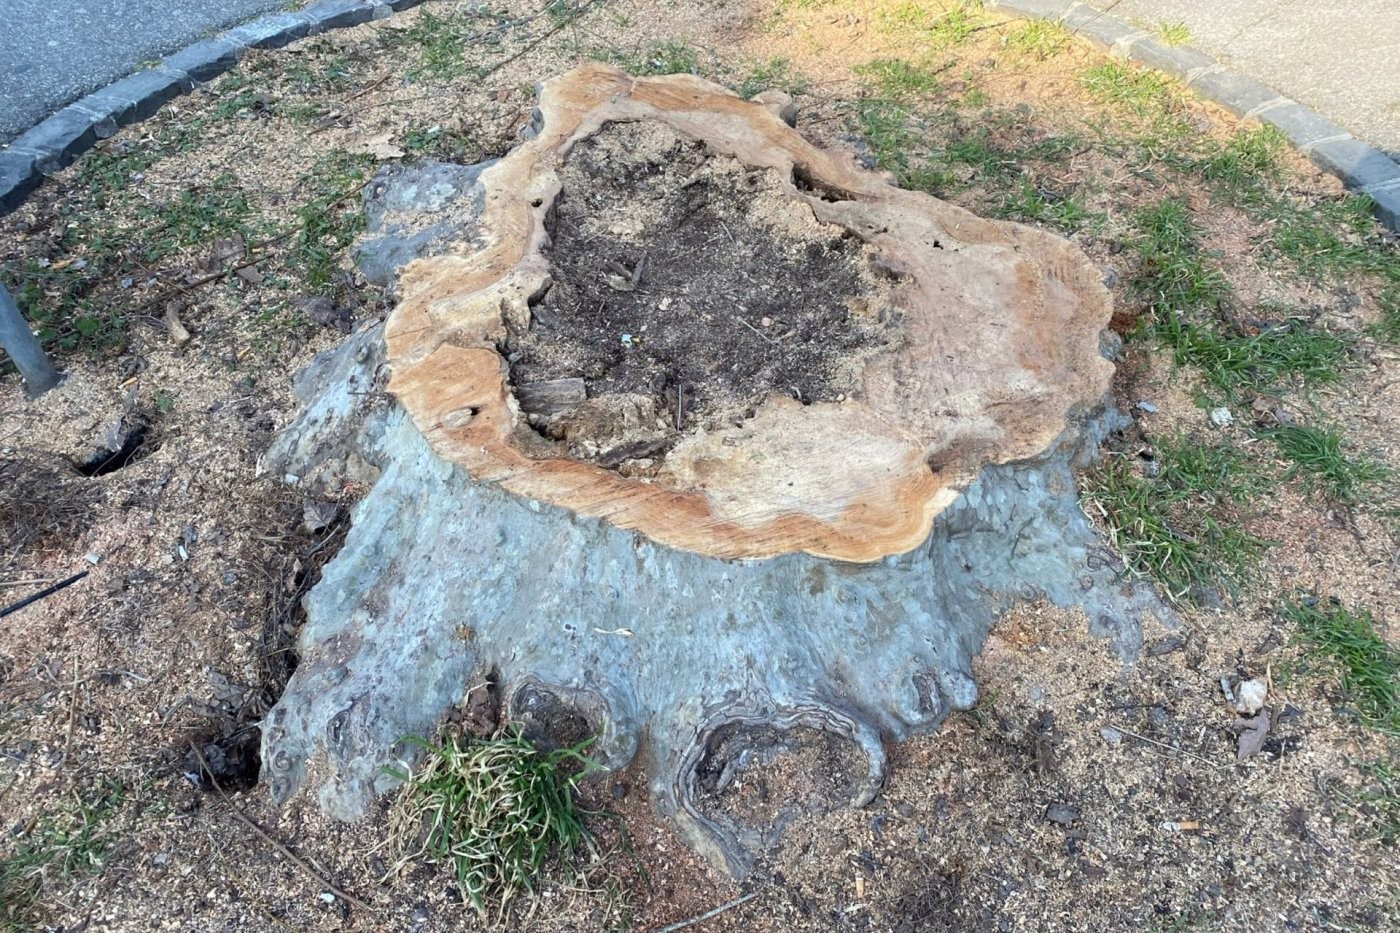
(697, 437)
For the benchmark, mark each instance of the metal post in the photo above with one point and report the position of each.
(19, 342)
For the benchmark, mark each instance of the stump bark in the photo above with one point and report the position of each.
(727, 553)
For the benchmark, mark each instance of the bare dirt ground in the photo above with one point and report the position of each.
(189, 266)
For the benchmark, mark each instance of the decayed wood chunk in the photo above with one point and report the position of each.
(1000, 354)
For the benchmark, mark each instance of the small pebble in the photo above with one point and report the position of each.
(1221, 417)
(1111, 735)
(327, 897)
(1250, 695)
(1147, 406)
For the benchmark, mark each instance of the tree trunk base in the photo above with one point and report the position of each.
(703, 667)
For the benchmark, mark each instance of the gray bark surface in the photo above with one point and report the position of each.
(689, 664)
(23, 347)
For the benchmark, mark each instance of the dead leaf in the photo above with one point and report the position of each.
(381, 146)
(226, 248)
(1252, 734)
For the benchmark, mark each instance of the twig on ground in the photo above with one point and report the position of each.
(755, 330)
(1180, 751)
(709, 913)
(72, 715)
(539, 40)
(371, 86)
(266, 837)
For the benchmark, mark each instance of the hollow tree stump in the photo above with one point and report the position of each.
(699, 437)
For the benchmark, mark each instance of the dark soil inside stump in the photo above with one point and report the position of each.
(687, 287)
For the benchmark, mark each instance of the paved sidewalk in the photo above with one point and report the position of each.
(1338, 57)
(54, 51)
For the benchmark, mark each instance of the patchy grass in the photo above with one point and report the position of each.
(330, 220)
(933, 25)
(1316, 457)
(661, 58)
(196, 216)
(774, 74)
(1029, 202)
(492, 809)
(1376, 804)
(1141, 91)
(898, 79)
(1367, 668)
(1388, 327)
(1242, 166)
(1184, 297)
(55, 850)
(442, 43)
(1179, 527)
(1173, 34)
(1038, 39)
(1332, 239)
(57, 304)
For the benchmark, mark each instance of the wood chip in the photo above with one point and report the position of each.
(177, 330)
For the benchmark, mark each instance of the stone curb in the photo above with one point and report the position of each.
(56, 141)
(1361, 167)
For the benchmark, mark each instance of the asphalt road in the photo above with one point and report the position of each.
(54, 51)
(1338, 57)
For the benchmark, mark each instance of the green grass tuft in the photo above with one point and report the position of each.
(1247, 161)
(1184, 297)
(897, 78)
(1317, 458)
(442, 44)
(1388, 326)
(330, 220)
(1038, 39)
(1178, 526)
(774, 74)
(1333, 238)
(1028, 202)
(934, 26)
(1143, 92)
(661, 58)
(57, 849)
(1173, 34)
(491, 809)
(196, 216)
(1367, 667)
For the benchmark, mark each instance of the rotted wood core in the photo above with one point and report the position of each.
(780, 351)
(684, 289)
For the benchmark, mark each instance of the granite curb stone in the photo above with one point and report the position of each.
(136, 97)
(1363, 165)
(18, 177)
(1360, 166)
(337, 14)
(53, 143)
(58, 140)
(269, 32)
(205, 59)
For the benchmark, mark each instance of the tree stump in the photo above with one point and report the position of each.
(697, 437)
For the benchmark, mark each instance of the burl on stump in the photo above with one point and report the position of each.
(698, 437)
